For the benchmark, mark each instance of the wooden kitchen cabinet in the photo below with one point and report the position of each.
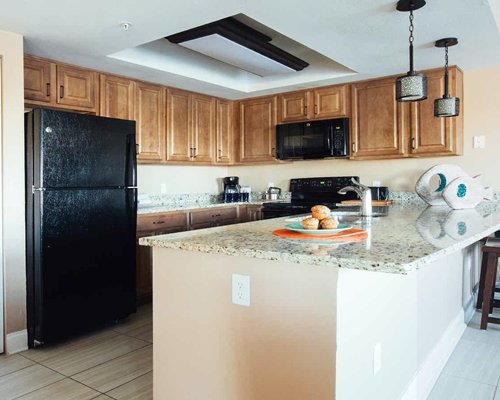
(331, 102)
(178, 125)
(144, 272)
(150, 225)
(116, 97)
(254, 213)
(431, 136)
(202, 137)
(224, 139)
(257, 128)
(76, 87)
(150, 122)
(294, 106)
(190, 127)
(58, 85)
(322, 103)
(37, 79)
(379, 124)
(210, 217)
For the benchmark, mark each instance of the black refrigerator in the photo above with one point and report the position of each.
(81, 206)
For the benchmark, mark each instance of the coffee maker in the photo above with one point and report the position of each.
(231, 189)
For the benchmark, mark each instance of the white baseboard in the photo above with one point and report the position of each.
(470, 308)
(16, 342)
(428, 373)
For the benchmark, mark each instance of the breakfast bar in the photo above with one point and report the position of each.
(375, 318)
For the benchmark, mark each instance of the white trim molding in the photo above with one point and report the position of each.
(427, 375)
(17, 341)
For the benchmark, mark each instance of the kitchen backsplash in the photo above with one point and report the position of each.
(197, 199)
(200, 199)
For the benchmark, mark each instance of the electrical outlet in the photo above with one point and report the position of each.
(377, 358)
(479, 142)
(163, 188)
(241, 290)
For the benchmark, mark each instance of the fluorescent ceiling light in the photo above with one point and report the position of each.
(235, 43)
(232, 53)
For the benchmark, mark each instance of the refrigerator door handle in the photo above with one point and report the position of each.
(131, 187)
(131, 178)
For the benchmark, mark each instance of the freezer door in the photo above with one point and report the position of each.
(76, 151)
(84, 261)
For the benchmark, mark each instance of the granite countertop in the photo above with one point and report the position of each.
(194, 206)
(404, 240)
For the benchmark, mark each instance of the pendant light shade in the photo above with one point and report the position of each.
(412, 86)
(446, 106)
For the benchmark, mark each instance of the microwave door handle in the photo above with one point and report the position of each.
(331, 140)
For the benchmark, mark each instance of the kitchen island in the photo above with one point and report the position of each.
(376, 319)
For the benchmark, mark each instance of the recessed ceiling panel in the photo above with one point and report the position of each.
(232, 53)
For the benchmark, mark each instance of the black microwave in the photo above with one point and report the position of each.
(314, 139)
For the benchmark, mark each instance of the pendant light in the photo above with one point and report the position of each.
(412, 86)
(446, 106)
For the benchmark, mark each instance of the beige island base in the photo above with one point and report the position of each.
(325, 321)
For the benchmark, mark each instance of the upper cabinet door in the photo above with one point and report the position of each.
(179, 122)
(117, 97)
(331, 102)
(76, 87)
(379, 123)
(431, 135)
(293, 106)
(224, 132)
(150, 122)
(258, 129)
(203, 128)
(37, 82)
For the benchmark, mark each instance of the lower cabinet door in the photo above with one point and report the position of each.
(144, 273)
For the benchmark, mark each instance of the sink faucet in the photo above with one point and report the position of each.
(364, 194)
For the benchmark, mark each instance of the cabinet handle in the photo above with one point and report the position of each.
(195, 152)
(190, 152)
(48, 89)
(273, 152)
(353, 147)
(158, 222)
(413, 143)
(61, 91)
(305, 111)
(315, 109)
(220, 153)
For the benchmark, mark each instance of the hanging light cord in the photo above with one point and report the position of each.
(446, 89)
(411, 40)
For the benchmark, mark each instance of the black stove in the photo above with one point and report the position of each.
(308, 192)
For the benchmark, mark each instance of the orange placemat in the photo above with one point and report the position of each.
(349, 235)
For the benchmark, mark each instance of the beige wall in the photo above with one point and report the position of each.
(180, 179)
(11, 51)
(281, 347)
(482, 117)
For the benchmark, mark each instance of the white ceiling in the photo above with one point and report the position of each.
(367, 37)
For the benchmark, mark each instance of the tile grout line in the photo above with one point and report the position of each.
(123, 384)
(20, 369)
(41, 387)
(114, 358)
(64, 377)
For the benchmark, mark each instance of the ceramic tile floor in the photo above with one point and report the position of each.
(115, 363)
(473, 370)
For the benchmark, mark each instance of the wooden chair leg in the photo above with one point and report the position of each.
(481, 282)
(488, 287)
